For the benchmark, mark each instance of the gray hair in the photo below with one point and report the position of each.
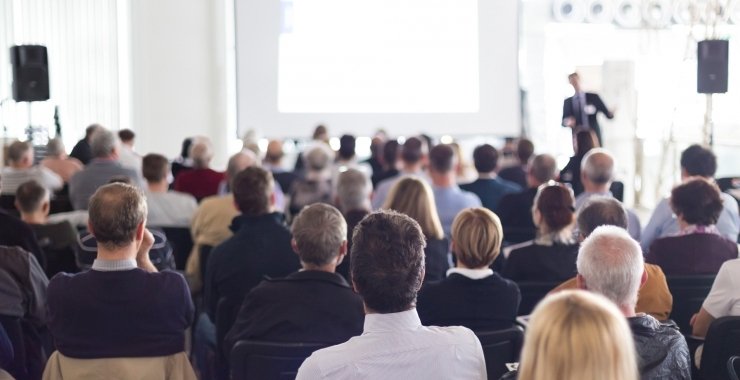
(353, 190)
(319, 230)
(201, 153)
(17, 150)
(611, 264)
(601, 211)
(598, 166)
(317, 158)
(543, 167)
(103, 143)
(115, 212)
(240, 161)
(55, 147)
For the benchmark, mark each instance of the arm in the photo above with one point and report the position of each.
(701, 322)
(568, 119)
(142, 255)
(600, 106)
(50, 179)
(720, 300)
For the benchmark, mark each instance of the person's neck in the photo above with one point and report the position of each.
(368, 310)
(489, 175)
(122, 253)
(19, 165)
(412, 168)
(37, 217)
(443, 180)
(594, 188)
(627, 311)
(158, 187)
(329, 268)
(460, 265)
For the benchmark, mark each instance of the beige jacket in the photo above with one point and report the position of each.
(175, 367)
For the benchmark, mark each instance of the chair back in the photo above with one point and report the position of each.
(617, 189)
(226, 312)
(721, 344)
(7, 203)
(182, 243)
(255, 360)
(176, 366)
(733, 367)
(500, 347)
(28, 359)
(532, 293)
(688, 293)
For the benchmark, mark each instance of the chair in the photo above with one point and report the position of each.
(733, 367)
(226, 312)
(617, 189)
(532, 293)
(182, 243)
(688, 293)
(175, 366)
(720, 345)
(7, 203)
(205, 252)
(269, 360)
(500, 347)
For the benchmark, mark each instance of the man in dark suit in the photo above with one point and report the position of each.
(313, 305)
(489, 187)
(581, 109)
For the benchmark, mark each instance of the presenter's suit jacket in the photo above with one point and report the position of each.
(593, 100)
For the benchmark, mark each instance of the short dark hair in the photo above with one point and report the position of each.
(319, 230)
(601, 211)
(699, 161)
(698, 201)
(126, 135)
(346, 146)
(543, 168)
(30, 196)
(485, 158)
(390, 152)
(116, 210)
(442, 158)
(412, 150)
(555, 204)
(524, 150)
(252, 188)
(388, 261)
(154, 167)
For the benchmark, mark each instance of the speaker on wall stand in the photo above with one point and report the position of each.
(30, 76)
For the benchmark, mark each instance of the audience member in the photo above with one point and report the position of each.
(160, 254)
(21, 169)
(514, 210)
(201, 181)
(450, 200)
(88, 310)
(551, 256)
(57, 160)
(376, 161)
(696, 161)
(655, 298)
(577, 335)
(472, 295)
(413, 197)
(699, 248)
(610, 263)
(273, 162)
(16, 233)
(389, 158)
(313, 305)
(104, 166)
(518, 173)
(387, 272)
(166, 208)
(597, 174)
(353, 199)
(82, 151)
(316, 186)
(320, 137)
(183, 162)
(413, 159)
(127, 156)
(571, 173)
(489, 187)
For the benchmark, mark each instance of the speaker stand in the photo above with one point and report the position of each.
(708, 130)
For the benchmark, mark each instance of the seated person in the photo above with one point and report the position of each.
(160, 253)
(387, 271)
(201, 181)
(699, 248)
(472, 295)
(551, 256)
(166, 208)
(21, 169)
(58, 240)
(313, 305)
(17, 233)
(122, 307)
(316, 186)
(489, 187)
(353, 200)
(57, 160)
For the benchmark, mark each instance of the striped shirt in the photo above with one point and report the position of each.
(12, 178)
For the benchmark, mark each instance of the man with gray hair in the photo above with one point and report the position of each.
(57, 160)
(610, 263)
(314, 304)
(21, 169)
(104, 145)
(201, 181)
(597, 175)
(353, 199)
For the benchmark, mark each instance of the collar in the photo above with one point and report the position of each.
(102, 265)
(384, 323)
(697, 229)
(473, 274)
(491, 175)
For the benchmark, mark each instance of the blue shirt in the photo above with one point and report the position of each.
(450, 201)
(491, 190)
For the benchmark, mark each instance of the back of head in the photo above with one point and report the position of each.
(577, 335)
(485, 158)
(155, 167)
(413, 196)
(252, 190)
(601, 211)
(524, 150)
(697, 160)
(317, 158)
(477, 235)
(353, 190)
(555, 204)
(543, 168)
(91, 129)
(274, 152)
(320, 133)
(240, 161)
(697, 201)
(201, 153)
(585, 141)
(390, 153)
(598, 166)
(126, 135)
(103, 143)
(413, 150)
(611, 264)
(346, 147)
(115, 212)
(19, 151)
(319, 231)
(55, 147)
(442, 159)
(185, 148)
(30, 196)
(387, 266)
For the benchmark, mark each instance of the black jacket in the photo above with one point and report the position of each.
(662, 352)
(594, 105)
(534, 262)
(16, 233)
(515, 212)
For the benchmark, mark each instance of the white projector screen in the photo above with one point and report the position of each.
(409, 66)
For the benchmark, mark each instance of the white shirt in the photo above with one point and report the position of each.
(724, 299)
(129, 159)
(170, 209)
(397, 346)
(473, 274)
(12, 178)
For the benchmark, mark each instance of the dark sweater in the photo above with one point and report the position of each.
(16, 233)
(515, 212)
(693, 254)
(436, 261)
(534, 262)
(129, 313)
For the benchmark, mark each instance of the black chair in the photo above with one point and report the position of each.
(720, 345)
(226, 312)
(688, 293)
(733, 367)
(500, 347)
(182, 243)
(617, 189)
(7, 203)
(532, 294)
(205, 252)
(255, 360)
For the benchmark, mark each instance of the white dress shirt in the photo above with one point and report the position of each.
(397, 346)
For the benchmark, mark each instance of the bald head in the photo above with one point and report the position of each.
(239, 162)
(201, 153)
(274, 153)
(597, 170)
(542, 169)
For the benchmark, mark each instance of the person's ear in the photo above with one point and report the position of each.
(140, 231)
(581, 282)
(273, 199)
(536, 217)
(294, 245)
(45, 207)
(452, 246)
(342, 253)
(90, 228)
(643, 278)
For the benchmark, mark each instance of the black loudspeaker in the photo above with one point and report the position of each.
(713, 57)
(30, 73)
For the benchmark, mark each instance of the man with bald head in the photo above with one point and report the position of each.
(274, 162)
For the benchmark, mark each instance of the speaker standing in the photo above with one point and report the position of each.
(581, 109)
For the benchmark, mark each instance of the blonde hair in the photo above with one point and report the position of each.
(476, 234)
(413, 197)
(578, 335)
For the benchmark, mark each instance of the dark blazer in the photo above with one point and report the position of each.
(490, 303)
(515, 212)
(691, 254)
(284, 179)
(437, 263)
(593, 100)
(491, 190)
(306, 306)
(16, 233)
(82, 151)
(571, 174)
(516, 174)
(534, 262)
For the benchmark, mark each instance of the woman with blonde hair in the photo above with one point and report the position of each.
(577, 335)
(413, 197)
(472, 295)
